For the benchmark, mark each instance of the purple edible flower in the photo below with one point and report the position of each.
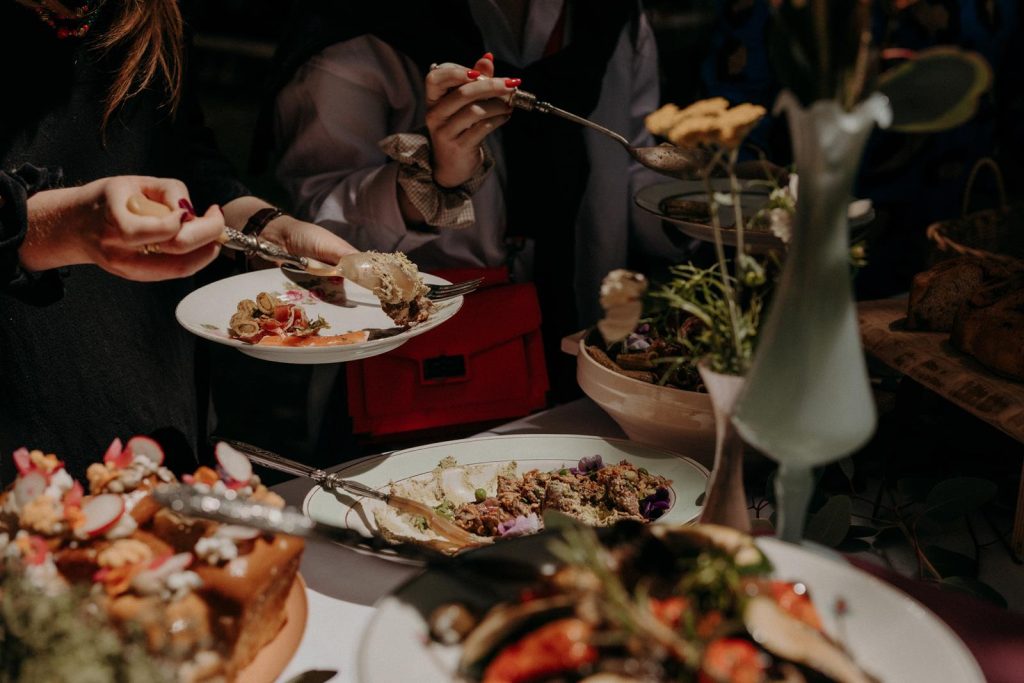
(655, 505)
(520, 526)
(637, 342)
(590, 463)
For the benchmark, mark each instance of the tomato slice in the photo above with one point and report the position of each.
(561, 645)
(732, 660)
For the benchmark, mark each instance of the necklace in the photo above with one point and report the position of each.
(68, 19)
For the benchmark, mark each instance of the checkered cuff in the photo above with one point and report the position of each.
(441, 207)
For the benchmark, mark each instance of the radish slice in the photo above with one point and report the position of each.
(117, 455)
(23, 461)
(235, 465)
(144, 446)
(235, 532)
(102, 513)
(169, 564)
(73, 498)
(28, 488)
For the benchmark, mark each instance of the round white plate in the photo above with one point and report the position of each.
(889, 634)
(752, 199)
(206, 312)
(531, 451)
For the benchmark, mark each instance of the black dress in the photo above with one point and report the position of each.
(86, 356)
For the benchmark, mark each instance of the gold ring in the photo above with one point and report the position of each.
(434, 66)
(149, 249)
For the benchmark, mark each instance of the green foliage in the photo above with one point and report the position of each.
(65, 637)
(705, 294)
(830, 524)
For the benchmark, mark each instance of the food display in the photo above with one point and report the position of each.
(938, 293)
(270, 321)
(201, 598)
(653, 603)
(990, 327)
(494, 500)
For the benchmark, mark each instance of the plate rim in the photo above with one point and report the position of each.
(701, 469)
(964, 652)
(453, 305)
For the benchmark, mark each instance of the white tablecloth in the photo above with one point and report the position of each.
(343, 585)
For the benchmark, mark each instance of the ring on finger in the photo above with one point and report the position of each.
(434, 66)
(149, 249)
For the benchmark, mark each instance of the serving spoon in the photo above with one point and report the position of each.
(666, 158)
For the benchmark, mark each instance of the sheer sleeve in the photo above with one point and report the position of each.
(329, 121)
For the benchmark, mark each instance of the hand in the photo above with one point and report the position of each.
(463, 107)
(306, 239)
(92, 224)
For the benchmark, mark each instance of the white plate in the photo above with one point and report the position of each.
(752, 199)
(206, 312)
(541, 451)
(888, 633)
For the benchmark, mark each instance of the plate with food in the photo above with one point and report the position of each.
(499, 487)
(267, 314)
(657, 603)
(685, 204)
(129, 583)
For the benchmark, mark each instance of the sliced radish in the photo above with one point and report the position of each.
(188, 479)
(29, 487)
(235, 465)
(234, 532)
(166, 565)
(146, 447)
(23, 461)
(117, 455)
(102, 513)
(39, 551)
(73, 498)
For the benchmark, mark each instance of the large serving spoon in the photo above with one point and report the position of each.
(665, 158)
(458, 537)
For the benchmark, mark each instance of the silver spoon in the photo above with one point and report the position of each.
(666, 159)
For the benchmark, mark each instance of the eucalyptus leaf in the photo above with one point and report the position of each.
(936, 90)
(830, 524)
(976, 588)
(954, 498)
(951, 563)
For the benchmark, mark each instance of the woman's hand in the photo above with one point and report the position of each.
(294, 236)
(92, 224)
(464, 106)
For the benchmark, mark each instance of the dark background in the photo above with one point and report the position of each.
(706, 48)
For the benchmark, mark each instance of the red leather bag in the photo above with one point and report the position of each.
(486, 363)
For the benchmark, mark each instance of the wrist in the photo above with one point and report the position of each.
(57, 220)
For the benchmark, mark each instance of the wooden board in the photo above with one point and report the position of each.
(929, 359)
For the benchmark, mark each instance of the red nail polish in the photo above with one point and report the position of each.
(186, 217)
(513, 82)
(488, 56)
(473, 74)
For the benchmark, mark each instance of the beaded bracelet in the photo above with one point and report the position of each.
(259, 220)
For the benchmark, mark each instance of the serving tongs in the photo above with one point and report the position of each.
(666, 158)
(456, 538)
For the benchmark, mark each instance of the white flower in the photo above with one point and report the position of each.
(781, 223)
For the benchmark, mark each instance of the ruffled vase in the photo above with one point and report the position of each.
(807, 399)
(725, 501)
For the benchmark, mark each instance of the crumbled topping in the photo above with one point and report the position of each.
(125, 527)
(60, 483)
(124, 552)
(47, 464)
(216, 550)
(265, 496)
(108, 478)
(44, 514)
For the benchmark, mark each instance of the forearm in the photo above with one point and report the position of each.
(55, 218)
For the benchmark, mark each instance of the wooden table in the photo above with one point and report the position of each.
(929, 359)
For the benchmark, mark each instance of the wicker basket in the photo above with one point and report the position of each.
(990, 234)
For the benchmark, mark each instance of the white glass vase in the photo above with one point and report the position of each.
(807, 400)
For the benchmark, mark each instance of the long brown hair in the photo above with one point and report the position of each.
(150, 36)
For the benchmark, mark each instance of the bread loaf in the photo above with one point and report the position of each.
(990, 327)
(937, 294)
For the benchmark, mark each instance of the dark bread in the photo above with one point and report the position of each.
(937, 294)
(990, 327)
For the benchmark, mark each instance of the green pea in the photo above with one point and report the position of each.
(481, 495)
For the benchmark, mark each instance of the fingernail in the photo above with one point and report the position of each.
(187, 205)
(473, 74)
(488, 56)
(513, 82)
(186, 217)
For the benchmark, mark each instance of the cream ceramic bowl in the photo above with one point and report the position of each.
(681, 421)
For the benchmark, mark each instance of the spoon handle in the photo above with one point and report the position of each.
(529, 102)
